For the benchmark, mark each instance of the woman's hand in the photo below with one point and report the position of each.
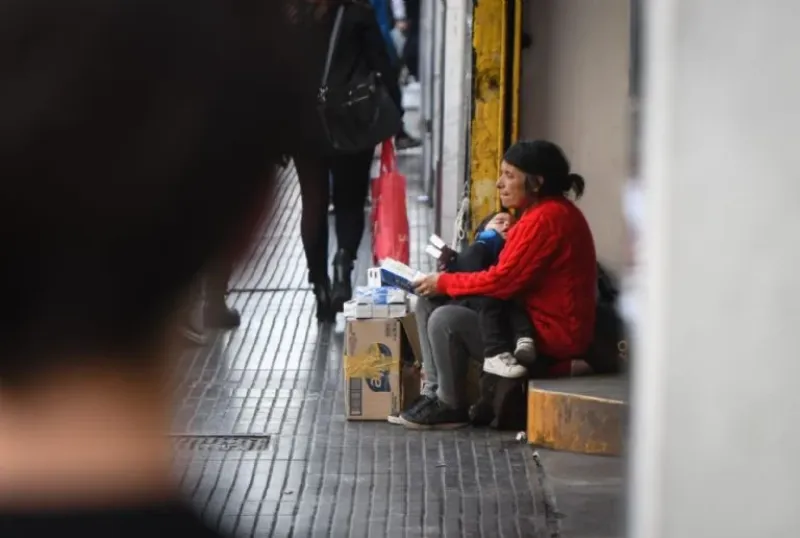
(426, 286)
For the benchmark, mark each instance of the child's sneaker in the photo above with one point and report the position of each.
(504, 365)
(526, 350)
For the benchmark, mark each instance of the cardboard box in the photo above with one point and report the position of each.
(381, 366)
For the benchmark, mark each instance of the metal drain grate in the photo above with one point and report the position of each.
(221, 443)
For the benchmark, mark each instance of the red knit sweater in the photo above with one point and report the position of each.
(548, 261)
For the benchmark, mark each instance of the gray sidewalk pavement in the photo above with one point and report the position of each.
(264, 449)
(264, 446)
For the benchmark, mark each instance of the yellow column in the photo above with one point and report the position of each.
(495, 89)
(516, 70)
(486, 141)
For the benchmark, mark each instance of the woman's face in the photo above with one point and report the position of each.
(511, 187)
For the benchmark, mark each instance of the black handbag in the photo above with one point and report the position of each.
(359, 114)
(502, 404)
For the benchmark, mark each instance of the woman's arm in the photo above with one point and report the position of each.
(528, 252)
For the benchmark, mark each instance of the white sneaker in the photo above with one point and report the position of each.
(504, 365)
(526, 350)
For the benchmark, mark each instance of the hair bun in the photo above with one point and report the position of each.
(576, 184)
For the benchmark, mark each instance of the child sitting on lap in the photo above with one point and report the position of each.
(506, 330)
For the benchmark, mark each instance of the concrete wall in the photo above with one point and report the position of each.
(714, 429)
(457, 93)
(574, 91)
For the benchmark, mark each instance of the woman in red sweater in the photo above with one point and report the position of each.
(548, 262)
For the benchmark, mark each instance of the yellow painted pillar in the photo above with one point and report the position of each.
(495, 94)
(516, 70)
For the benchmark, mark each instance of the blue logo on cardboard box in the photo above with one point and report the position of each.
(382, 383)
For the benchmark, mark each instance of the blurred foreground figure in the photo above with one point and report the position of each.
(138, 142)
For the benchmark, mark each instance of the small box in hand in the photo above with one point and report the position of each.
(445, 256)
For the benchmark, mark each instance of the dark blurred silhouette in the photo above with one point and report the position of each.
(344, 178)
(217, 313)
(138, 143)
(411, 49)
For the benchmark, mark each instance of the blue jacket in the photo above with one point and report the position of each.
(381, 8)
(480, 255)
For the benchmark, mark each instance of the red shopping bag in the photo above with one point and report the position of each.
(389, 215)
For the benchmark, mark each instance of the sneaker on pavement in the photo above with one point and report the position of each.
(222, 317)
(420, 401)
(504, 365)
(525, 350)
(406, 141)
(435, 415)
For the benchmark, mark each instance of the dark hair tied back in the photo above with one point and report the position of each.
(546, 160)
(576, 184)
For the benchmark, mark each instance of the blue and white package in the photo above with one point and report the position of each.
(398, 275)
(383, 295)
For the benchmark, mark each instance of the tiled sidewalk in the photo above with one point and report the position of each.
(278, 380)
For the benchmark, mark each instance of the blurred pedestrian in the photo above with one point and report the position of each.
(411, 24)
(384, 11)
(137, 150)
(341, 177)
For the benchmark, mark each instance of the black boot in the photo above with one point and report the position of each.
(217, 313)
(403, 140)
(322, 292)
(342, 279)
(220, 316)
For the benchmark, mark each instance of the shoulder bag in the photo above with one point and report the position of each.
(358, 114)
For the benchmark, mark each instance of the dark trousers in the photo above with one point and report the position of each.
(393, 88)
(411, 50)
(347, 176)
(501, 323)
(217, 281)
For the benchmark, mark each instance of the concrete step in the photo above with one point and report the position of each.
(586, 415)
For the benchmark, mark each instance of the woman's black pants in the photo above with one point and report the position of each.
(350, 175)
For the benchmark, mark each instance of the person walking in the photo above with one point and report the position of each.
(342, 178)
(410, 26)
(125, 122)
(384, 13)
